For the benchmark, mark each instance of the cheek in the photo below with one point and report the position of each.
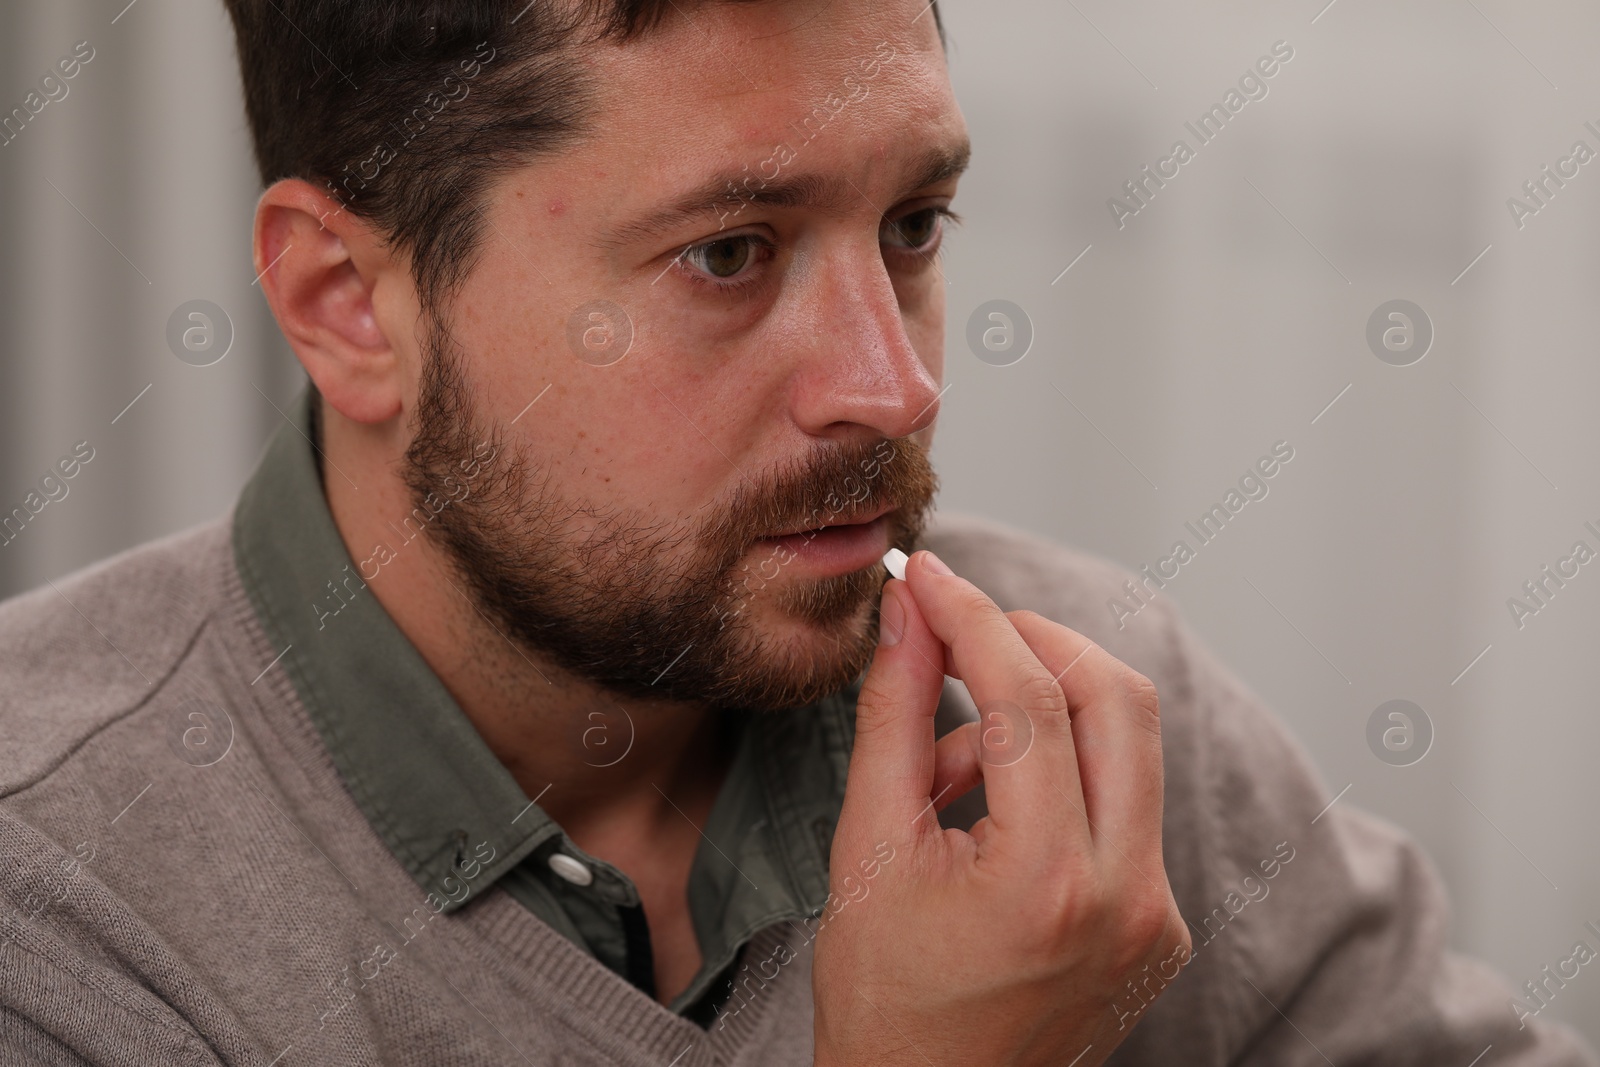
(648, 441)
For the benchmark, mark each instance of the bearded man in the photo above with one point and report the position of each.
(543, 699)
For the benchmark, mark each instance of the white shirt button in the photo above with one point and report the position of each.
(570, 869)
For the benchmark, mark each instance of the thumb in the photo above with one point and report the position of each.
(892, 760)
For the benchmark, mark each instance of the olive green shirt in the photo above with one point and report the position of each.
(448, 809)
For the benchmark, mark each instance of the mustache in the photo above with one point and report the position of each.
(836, 482)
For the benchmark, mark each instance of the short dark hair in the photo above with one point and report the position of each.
(357, 94)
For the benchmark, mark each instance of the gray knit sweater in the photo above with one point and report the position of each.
(163, 907)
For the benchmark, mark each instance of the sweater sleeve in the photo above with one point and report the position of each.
(82, 980)
(1320, 937)
(1321, 933)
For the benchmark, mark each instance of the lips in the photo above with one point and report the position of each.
(859, 518)
(838, 548)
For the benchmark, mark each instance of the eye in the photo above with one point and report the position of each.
(918, 230)
(724, 258)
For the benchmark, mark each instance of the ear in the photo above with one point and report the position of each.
(318, 265)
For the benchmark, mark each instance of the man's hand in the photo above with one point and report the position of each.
(1008, 944)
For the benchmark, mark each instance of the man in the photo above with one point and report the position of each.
(536, 703)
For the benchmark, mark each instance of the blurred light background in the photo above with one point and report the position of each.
(1228, 314)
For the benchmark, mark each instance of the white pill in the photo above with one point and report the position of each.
(895, 560)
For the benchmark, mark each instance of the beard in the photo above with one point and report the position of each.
(662, 608)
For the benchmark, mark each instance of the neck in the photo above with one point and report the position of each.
(595, 761)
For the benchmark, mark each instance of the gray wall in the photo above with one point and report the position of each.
(1223, 317)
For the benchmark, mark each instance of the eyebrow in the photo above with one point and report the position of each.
(723, 192)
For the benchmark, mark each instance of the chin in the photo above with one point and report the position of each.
(811, 659)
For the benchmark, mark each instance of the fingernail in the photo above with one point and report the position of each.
(891, 619)
(935, 564)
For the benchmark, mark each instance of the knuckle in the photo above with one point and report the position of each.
(1148, 920)
(1149, 927)
(1043, 704)
(875, 707)
(1181, 944)
(1140, 692)
(875, 692)
(1132, 927)
(1038, 692)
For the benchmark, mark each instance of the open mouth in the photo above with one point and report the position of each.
(847, 544)
(839, 523)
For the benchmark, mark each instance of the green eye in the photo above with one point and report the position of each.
(914, 230)
(723, 258)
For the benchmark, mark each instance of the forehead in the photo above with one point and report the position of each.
(721, 85)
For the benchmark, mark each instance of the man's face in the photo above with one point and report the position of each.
(760, 197)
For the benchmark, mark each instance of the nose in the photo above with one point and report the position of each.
(859, 376)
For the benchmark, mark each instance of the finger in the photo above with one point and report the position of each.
(956, 770)
(1117, 733)
(1029, 765)
(892, 759)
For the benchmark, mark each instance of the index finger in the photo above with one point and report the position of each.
(1032, 782)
